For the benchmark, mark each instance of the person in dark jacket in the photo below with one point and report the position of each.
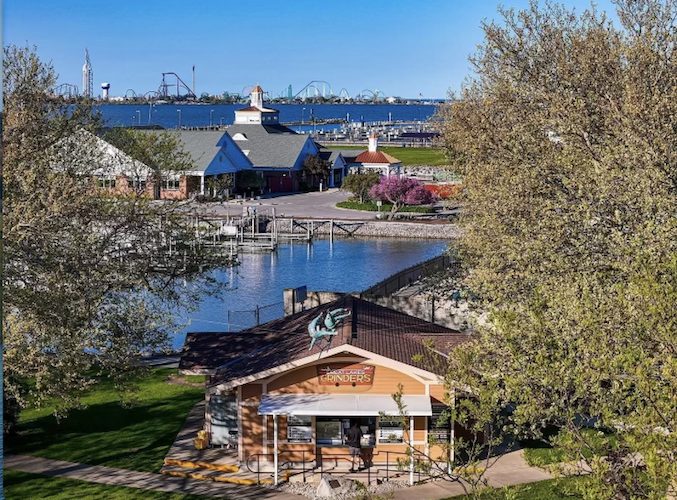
(354, 442)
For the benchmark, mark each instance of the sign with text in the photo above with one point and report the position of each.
(345, 375)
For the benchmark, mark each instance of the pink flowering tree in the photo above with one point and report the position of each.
(400, 191)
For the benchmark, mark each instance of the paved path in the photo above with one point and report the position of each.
(141, 480)
(509, 470)
(316, 205)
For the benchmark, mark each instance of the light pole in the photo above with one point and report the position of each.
(138, 114)
(303, 116)
(222, 121)
(211, 117)
(179, 112)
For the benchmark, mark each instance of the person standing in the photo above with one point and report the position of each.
(354, 442)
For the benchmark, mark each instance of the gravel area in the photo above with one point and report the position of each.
(308, 490)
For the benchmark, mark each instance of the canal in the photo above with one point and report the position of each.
(346, 265)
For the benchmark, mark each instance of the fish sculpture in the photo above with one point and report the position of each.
(332, 320)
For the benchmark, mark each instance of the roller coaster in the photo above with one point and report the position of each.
(66, 90)
(178, 85)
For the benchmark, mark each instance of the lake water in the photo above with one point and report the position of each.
(194, 115)
(346, 265)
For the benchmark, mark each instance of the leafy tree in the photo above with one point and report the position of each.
(361, 184)
(566, 143)
(248, 179)
(314, 165)
(160, 154)
(401, 191)
(220, 185)
(87, 277)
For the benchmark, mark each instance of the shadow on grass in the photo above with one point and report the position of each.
(108, 434)
(20, 485)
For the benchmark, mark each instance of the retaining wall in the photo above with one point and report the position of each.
(374, 228)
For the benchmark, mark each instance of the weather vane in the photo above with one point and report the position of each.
(332, 320)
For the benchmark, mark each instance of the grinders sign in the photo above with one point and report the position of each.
(345, 375)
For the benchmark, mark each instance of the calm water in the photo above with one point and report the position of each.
(167, 115)
(346, 265)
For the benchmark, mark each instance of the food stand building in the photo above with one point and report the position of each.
(287, 390)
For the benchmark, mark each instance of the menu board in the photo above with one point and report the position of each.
(439, 428)
(390, 431)
(299, 429)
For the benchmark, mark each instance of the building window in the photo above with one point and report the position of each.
(138, 184)
(390, 431)
(171, 184)
(106, 183)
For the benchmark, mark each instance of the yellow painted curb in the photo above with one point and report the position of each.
(202, 477)
(202, 465)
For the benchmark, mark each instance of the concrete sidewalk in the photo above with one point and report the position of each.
(510, 469)
(142, 480)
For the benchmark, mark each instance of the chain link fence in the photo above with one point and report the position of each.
(248, 318)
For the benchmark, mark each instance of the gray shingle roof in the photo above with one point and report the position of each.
(269, 146)
(371, 327)
(201, 145)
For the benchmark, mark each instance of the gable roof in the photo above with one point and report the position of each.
(269, 146)
(260, 110)
(376, 157)
(370, 327)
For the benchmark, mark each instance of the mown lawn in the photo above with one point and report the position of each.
(105, 433)
(23, 486)
(539, 454)
(410, 156)
(552, 489)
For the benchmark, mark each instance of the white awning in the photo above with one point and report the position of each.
(342, 405)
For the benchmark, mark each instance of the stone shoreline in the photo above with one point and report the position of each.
(370, 228)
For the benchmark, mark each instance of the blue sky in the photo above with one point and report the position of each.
(402, 48)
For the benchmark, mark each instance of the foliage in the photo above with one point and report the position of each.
(467, 458)
(552, 489)
(372, 207)
(360, 184)
(566, 144)
(220, 185)
(315, 166)
(400, 191)
(22, 485)
(104, 433)
(248, 179)
(159, 155)
(87, 278)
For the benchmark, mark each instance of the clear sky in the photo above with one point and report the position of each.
(400, 47)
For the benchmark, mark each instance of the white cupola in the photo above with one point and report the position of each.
(373, 142)
(257, 97)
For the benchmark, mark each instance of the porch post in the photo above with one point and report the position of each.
(202, 184)
(411, 461)
(275, 445)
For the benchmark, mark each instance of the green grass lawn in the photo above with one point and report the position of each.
(539, 454)
(410, 156)
(23, 486)
(105, 433)
(552, 489)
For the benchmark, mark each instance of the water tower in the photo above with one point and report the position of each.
(105, 86)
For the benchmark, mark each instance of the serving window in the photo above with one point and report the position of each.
(330, 431)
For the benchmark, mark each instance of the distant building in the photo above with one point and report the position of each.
(276, 152)
(372, 160)
(256, 113)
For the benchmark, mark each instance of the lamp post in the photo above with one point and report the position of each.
(211, 117)
(138, 114)
(303, 115)
(222, 121)
(179, 112)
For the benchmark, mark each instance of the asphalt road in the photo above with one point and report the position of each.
(316, 205)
